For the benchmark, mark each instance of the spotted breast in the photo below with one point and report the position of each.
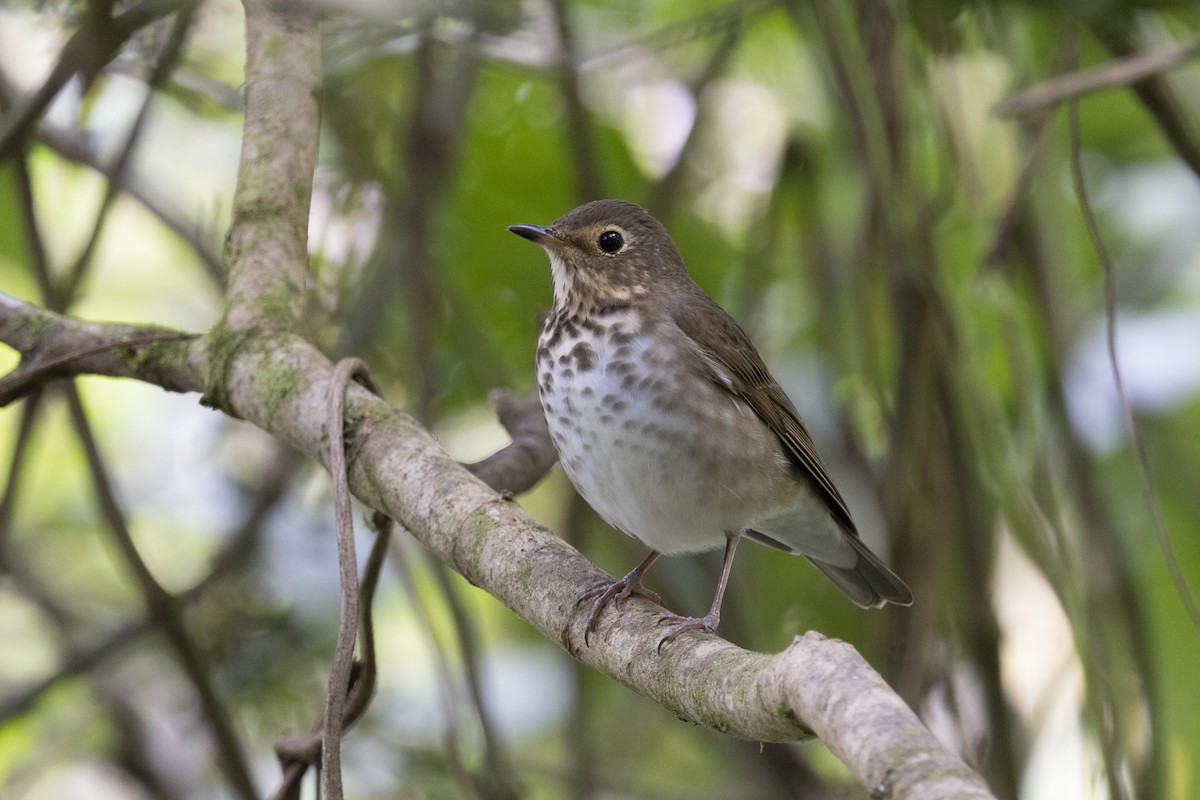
(621, 427)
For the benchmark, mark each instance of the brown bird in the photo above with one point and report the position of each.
(669, 424)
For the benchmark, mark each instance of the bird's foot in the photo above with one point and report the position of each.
(616, 592)
(707, 623)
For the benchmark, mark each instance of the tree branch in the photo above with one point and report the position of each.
(53, 345)
(267, 246)
(1118, 73)
(88, 50)
(817, 685)
(1163, 103)
(529, 456)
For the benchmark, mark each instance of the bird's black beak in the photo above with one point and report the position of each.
(536, 234)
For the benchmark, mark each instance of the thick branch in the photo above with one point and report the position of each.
(817, 685)
(53, 345)
(267, 246)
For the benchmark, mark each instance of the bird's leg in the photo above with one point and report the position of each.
(618, 590)
(709, 621)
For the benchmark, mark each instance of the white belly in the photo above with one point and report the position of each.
(661, 466)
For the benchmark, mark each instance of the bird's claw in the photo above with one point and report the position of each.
(616, 592)
(707, 623)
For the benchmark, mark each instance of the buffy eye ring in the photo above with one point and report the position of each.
(610, 241)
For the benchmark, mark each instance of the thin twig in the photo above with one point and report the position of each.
(88, 49)
(1110, 317)
(1007, 224)
(297, 753)
(133, 735)
(74, 663)
(166, 62)
(1116, 583)
(362, 690)
(404, 552)
(73, 148)
(705, 23)
(8, 502)
(343, 654)
(163, 608)
(33, 237)
(190, 232)
(1118, 73)
(499, 773)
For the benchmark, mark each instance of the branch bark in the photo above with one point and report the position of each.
(817, 686)
(267, 246)
(53, 345)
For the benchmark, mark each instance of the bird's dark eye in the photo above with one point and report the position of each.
(611, 241)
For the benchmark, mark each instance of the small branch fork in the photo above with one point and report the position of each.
(529, 456)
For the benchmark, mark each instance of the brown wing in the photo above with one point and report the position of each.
(736, 366)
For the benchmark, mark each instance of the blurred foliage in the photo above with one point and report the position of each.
(915, 267)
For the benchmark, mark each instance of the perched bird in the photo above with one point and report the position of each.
(669, 424)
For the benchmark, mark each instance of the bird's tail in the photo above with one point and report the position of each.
(869, 583)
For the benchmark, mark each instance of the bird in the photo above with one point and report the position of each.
(668, 422)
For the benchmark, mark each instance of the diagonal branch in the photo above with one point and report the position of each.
(164, 610)
(89, 48)
(817, 685)
(1119, 73)
(1167, 105)
(192, 232)
(163, 67)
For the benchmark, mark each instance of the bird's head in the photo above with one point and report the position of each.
(606, 252)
